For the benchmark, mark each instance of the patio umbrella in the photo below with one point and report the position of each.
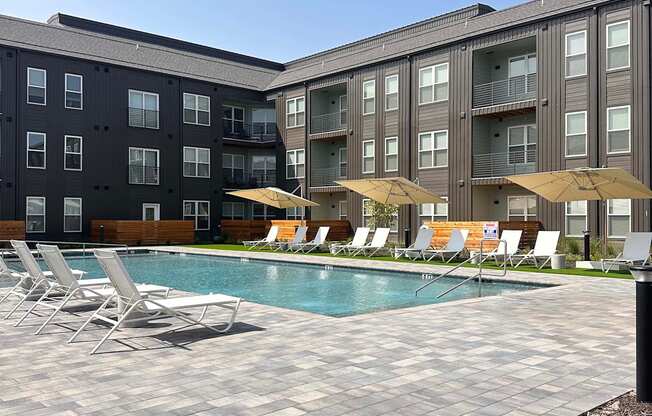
(392, 191)
(274, 197)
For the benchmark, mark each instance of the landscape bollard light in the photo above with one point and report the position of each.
(643, 277)
(407, 237)
(587, 245)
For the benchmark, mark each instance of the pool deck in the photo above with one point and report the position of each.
(554, 351)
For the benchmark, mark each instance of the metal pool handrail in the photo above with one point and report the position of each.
(84, 245)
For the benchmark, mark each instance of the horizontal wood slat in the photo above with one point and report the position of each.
(242, 230)
(144, 232)
(443, 231)
(12, 230)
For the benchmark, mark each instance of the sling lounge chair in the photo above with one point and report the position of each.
(318, 241)
(376, 245)
(359, 240)
(420, 245)
(635, 251)
(544, 248)
(271, 238)
(454, 247)
(299, 237)
(512, 238)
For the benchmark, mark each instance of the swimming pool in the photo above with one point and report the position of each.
(334, 292)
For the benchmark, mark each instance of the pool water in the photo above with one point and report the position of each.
(336, 292)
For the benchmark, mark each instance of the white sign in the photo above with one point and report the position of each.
(490, 231)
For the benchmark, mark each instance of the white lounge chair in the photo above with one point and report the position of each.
(512, 238)
(544, 248)
(23, 286)
(359, 240)
(636, 250)
(271, 238)
(69, 288)
(421, 244)
(134, 306)
(454, 247)
(318, 241)
(299, 237)
(376, 245)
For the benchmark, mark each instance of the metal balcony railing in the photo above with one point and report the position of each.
(240, 179)
(323, 123)
(261, 132)
(327, 176)
(495, 165)
(504, 91)
(140, 174)
(139, 117)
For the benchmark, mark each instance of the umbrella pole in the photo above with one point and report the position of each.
(605, 232)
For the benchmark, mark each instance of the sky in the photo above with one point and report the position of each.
(278, 30)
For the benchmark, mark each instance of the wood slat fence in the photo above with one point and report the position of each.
(443, 231)
(242, 230)
(144, 232)
(12, 230)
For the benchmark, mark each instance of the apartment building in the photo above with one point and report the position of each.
(104, 122)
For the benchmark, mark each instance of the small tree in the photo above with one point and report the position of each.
(382, 215)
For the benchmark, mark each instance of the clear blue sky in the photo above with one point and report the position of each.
(279, 30)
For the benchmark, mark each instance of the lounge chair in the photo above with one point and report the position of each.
(454, 247)
(134, 306)
(23, 287)
(359, 240)
(544, 248)
(636, 250)
(376, 245)
(318, 241)
(271, 238)
(299, 237)
(512, 238)
(420, 245)
(69, 288)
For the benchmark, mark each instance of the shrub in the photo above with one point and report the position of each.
(382, 215)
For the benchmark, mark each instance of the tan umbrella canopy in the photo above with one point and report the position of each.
(392, 191)
(274, 197)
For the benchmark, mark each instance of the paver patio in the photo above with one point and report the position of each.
(554, 351)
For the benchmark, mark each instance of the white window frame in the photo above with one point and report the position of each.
(432, 215)
(44, 151)
(343, 162)
(158, 165)
(433, 68)
(195, 98)
(387, 139)
(372, 156)
(157, 210)
(629, 129)
(232, 168)
(44, 87)
(295, 213)
(143, 109)
(609, 215)
(585, 215)
(44, 215)
(434, 150)
(566, 134)
(342, 214)
(393, 228)
(567, 55)
(196, 162)
(66, 199)
(80, 92)
(526, 143)
(366, 98)
(196, 216)
(296, 153)
(526, 216)
(628, 44)
(266, 212)
(389, 93)
(296, 101)
(232, 120)
(66, 152)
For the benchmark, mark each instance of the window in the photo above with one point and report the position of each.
(198, 212)
(151, 212)
(261, 211)
(343, 209)
(366, 217)
(143, 166)
(576, 134)
(196, 109)
(35, 214)
(433, 212)
(521, 208)
(72, 215)
(296, 112)
(74, 92)
(576, 218)
(368, 156)
(520, 71)
(264, 121)
(522, 144)
(264, 169)
(295, 213)
(143, 109)
(369, 97)
(343, 162)
(196, 162)
(296, 164)
(233, 210)
(433, 84)
(233, 119)
(618, 45)
(391, 92)
(576, 54)
(233, 168)
(618, 129)
(343, 107)
(36, 86)
(391, 154)
(618, 212)
(36, 143)
(433, 149)
(72, 153)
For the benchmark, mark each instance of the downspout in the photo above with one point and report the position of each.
(407, 231)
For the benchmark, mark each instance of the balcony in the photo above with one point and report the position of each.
(496, 165)
(142, 118)
(237, 179)
(259, 132)
(324, 123)
(327, 176)
(143, 175)
(504, 91)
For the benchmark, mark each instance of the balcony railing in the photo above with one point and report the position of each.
(323, 123)
(495, 165)
(139, 117)
(143, 175)
(327, 176)
(240, 179)
(261, 132)
(514, 89)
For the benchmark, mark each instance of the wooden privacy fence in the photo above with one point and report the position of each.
(143, 232)
(443, 231)
(12, 230)
(242, 230)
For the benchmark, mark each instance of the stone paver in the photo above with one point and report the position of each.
(554, 351)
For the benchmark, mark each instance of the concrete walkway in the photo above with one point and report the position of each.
(553, 351)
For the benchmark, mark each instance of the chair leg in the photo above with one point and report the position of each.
(56, 311)
(89, 320)
(33, 307)
(11, 291)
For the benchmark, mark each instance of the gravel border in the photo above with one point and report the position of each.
(625, 405)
